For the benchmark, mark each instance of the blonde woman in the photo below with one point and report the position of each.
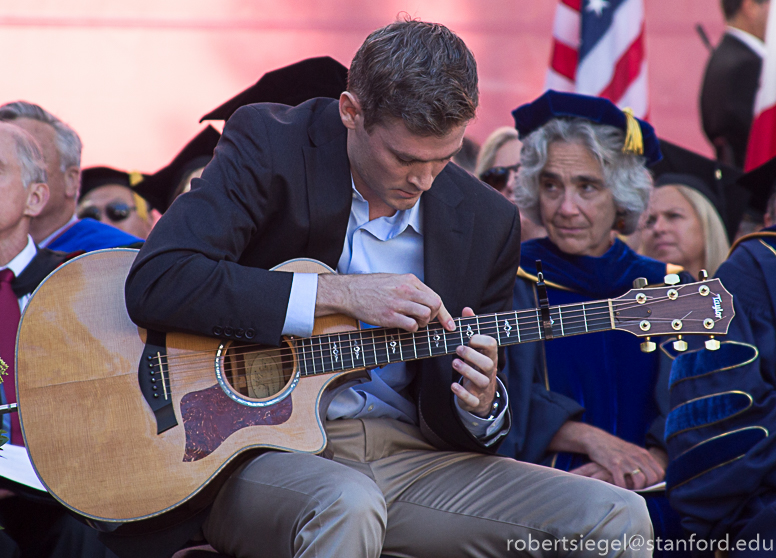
(497, 166)
(683, 227)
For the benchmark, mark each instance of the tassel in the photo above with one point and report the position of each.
(634, 141)
(136, 178)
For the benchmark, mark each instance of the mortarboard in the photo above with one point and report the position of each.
(711, 178)
(760, 182)
(290, 85)
(161, 188)
(640, 137)
(95, 177)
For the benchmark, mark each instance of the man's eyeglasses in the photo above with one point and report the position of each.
(498, 176)
(115, 211)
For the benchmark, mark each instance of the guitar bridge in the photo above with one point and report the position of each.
(153, 376)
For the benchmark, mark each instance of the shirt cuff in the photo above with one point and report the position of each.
(483, 428)
(300, 314)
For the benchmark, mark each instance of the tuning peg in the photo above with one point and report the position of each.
(648, 346)
(703, 275)
(680, 345)
(671, 279)
(639, 282)
(712, 344)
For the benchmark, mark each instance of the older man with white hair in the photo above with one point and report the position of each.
(57, 227)
(39, 526)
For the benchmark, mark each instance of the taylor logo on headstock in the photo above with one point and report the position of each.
(717, 306)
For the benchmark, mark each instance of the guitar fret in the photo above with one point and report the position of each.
(460, 330)
(584, 316)
(428, 335)
(414, 347)
(498, 333)
(538, 321)
(304, 358)
(560, 315)
(323, 360)
(517, 326)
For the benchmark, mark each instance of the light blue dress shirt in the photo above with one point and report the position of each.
(384, 245)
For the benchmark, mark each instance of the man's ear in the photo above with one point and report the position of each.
(72, 182)
(37, 198)
(350, 110)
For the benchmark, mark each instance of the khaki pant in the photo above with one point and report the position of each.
(388, 491)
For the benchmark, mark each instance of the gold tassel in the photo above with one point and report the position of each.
(634, 141)
(136, 178)
(142, 207)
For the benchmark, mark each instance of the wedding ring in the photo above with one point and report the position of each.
(635, 472)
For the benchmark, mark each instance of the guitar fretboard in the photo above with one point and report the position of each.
(375, 347)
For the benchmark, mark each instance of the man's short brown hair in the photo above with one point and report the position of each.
(420, 72)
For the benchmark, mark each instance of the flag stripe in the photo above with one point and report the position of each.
(635, 96)
(626, 70)
(762, 140)
(564, 60)
(573, 4)
(566, 26)
(558, 82)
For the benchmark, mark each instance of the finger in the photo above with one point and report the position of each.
(444, 318)
(476, 359)
(618, 477)
(485, 344)
(467, 312)
(467, 400)
(586, 470)
(476, 377)
(602, 475)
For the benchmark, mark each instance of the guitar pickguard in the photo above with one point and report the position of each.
(210, 417)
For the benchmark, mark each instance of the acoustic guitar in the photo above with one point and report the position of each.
(123, 424)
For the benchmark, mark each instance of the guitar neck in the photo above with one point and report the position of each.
(375, 347)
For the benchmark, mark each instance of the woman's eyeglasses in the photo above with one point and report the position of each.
(498, 176)
(115, 211)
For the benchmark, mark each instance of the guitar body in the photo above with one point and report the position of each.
(92, 435)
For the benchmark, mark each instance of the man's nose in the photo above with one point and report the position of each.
(423, 176)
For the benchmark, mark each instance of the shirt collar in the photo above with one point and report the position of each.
(401, 219)
(749, 40)
(50, 238)
(23, 258)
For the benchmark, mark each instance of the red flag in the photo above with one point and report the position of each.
(762, 138)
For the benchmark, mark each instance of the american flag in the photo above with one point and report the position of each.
(599, 50)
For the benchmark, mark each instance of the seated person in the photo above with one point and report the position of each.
(364, 184)
(36, 524)
(497, 166)
(586, 404)
(107, 196)
(682, 225)
(58, 227)
(721, 476)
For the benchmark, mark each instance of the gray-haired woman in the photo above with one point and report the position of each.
(586, 404)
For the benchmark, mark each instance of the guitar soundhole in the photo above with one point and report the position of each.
(258, 374)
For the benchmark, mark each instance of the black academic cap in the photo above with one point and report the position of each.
(556, 104)
(160, 188)
(94, 177)
(711, 178)
(290, 85)
(760, 182)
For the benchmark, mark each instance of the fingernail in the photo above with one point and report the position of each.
(451, 324)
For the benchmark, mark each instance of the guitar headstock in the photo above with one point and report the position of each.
(705, 308)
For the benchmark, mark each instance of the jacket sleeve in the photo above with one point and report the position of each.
(187, 276)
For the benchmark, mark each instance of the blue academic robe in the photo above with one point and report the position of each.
(88, 235)
(602, 378)
(720, 431)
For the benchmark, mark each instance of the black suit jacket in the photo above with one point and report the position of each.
(279, 187)
(727, 98)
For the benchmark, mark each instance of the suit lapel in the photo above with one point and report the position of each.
(447, 239)
(327, 172)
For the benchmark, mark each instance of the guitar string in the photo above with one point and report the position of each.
(345, 354)
(185, 371)
(344, 343)
(529, 313)
(403, 336)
